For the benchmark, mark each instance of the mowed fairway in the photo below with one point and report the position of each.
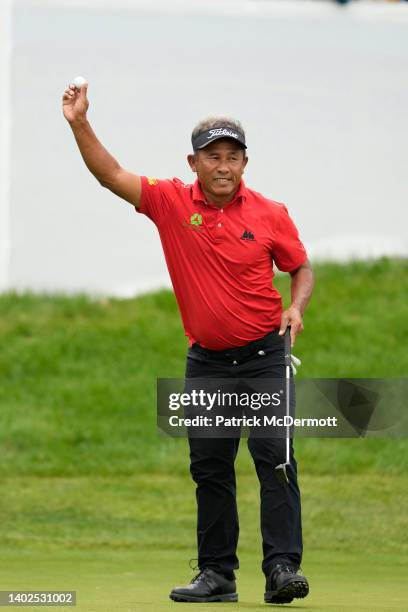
(125, 581)
(94, 500)
(122, 543)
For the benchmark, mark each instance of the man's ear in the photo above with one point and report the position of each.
(192, 162)
(245, 163)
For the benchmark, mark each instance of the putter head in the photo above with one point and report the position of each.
(281, 473)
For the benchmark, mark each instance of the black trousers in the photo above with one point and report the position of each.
(212, 468)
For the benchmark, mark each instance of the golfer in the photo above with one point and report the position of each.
(220, 240)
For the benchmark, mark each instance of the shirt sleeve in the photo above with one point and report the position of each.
(288, 251)
(157, 198)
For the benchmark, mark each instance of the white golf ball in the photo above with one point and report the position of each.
(79, 81)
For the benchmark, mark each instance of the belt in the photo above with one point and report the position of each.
(239, 353)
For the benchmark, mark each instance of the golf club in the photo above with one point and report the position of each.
(280, 469)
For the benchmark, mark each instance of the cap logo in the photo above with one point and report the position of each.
(222, 132)
(207, 137)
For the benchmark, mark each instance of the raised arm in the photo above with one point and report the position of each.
(98, 160)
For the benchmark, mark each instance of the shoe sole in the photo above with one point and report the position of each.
(230, 597)
(298, 589)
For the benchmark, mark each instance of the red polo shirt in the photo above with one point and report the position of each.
(221, 260)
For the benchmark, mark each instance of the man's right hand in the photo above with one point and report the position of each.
(99, 161)
(75, 103)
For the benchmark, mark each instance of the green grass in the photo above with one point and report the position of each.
(356, 322)
(78, 375)
(121, 543)
(93, 499)
(129, 581)
(156, 511)
(134, 581)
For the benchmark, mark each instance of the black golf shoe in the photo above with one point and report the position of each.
(284, 584)
(207, 586)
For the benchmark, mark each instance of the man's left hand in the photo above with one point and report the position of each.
(292, 316)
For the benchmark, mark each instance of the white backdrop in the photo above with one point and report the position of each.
(5, 139)
(320, 89)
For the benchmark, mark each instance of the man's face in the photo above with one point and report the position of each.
(219, 167)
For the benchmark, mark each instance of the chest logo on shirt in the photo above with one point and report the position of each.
(152, 181)
(247, 235)
(196, 219)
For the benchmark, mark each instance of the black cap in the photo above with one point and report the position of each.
(205, 138)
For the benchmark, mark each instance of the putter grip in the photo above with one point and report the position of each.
(287, 346)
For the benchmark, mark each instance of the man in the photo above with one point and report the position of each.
(220, 240)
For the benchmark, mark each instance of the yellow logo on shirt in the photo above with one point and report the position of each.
(196, 219)
(152, 181)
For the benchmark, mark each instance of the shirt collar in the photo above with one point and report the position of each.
(198, 195)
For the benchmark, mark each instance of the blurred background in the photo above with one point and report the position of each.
(320, 88)
(92, 497)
